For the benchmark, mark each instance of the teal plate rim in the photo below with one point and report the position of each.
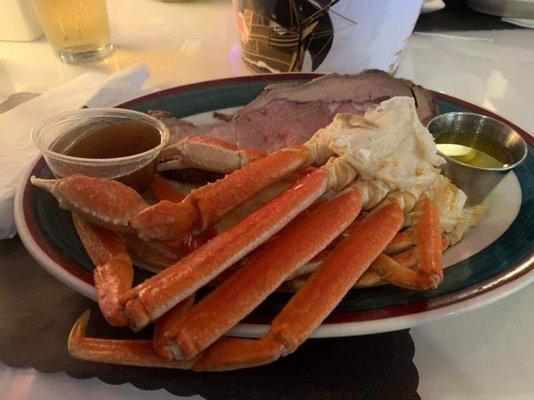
(501, 268)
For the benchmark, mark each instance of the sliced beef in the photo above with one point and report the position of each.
(288, 114)
(280, 123)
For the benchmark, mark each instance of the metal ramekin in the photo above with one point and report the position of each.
(478, 182)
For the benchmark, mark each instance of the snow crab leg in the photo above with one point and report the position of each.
(237, 296)
(206, 205)
(113, 273)
(308, 308)
(298, 319)
(125, 352)
(426, 235)
(105, 203)
(118, 207)
(415, 254)
(206, 153)
(152, 298)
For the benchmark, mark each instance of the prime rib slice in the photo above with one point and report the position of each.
(285, 114)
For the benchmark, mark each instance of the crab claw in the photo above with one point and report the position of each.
(125, 352)
(205, 206)
(105, 203)
(206, 153)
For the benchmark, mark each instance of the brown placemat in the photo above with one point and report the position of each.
(37, 313)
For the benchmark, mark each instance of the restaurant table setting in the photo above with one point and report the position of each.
(385, 369)
(39, 307)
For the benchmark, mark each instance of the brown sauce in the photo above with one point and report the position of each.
(110, 140)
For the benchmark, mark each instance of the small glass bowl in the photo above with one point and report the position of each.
(47, 133)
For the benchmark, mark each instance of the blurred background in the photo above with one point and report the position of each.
(223, 38)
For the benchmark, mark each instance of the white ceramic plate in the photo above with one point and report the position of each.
(492, 261)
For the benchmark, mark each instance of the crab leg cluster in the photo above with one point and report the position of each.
(426, 254)
(155, 296)
(315, 300)
(276, 242)
(195, 334)
(237, 296)
(397, 265)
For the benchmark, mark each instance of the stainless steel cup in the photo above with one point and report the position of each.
(477, 182)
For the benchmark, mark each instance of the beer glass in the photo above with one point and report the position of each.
(78, 30)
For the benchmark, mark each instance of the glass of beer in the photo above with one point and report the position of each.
(78, 30)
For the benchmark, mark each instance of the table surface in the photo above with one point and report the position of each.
(485, 354)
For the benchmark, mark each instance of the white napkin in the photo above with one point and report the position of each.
(94, 89)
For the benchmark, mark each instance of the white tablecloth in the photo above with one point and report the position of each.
(486, 354)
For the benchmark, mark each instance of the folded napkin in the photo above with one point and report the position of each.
(94, 89)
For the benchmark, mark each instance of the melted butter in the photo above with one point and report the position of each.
(472, 149)
(470, 155)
